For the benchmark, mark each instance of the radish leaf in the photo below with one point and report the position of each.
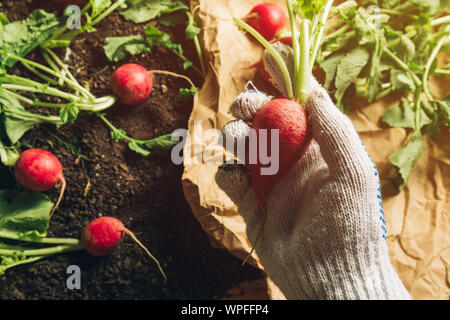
(116, 48)
(144, 10)
(405, 158)
(330, 66)
(348, 69)
(21, 37)
(404, 117)
(24, 213)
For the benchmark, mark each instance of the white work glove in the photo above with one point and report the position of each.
(325, 233)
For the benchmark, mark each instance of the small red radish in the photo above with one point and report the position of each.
(132, 83)
(102, 235)
(267, 18)
(40, 170)
(291, 120)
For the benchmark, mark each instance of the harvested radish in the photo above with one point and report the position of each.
(267, 18)
(290, 70)
(132, 84)
(291, 121)
(104, 234)
(39, 170)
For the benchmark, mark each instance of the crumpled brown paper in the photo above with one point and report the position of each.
(418, 218)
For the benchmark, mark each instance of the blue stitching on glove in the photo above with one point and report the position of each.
(380, 199)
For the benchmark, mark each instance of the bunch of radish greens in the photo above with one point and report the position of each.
(371, 49)
(376, 48)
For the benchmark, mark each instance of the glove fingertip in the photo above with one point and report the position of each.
(247, 104)
(233, 179)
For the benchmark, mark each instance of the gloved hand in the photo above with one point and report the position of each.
(325, 233)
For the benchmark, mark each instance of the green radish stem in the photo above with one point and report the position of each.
(56, 73)
(336, 33)
(303, 75)
(417, 108)
(398, 13)
(39, 74)
(75, 32)
(442, 71)
(319, 38)
(86, 101)
(14, 236)
(43, 251)
(440, 20)
(126, 137)
(429, 64)
(279, 60)
(23, 261)
(198, 48)
(296, 47)
(183, 57)
(64, 67)
(64, 28)
(306, 43)
(403, 65)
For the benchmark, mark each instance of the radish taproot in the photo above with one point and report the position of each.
(102, 235)
(267, 18)
(40, 170)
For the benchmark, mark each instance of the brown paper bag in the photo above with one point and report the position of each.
(418, 219)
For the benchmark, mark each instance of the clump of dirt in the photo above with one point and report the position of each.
(111, 180)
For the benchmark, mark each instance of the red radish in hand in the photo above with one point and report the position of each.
(132, 83)
(103, 234)
(39, 170)
(267, 18)
(291, 121)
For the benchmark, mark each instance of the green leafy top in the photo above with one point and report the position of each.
(145, 10)
(21, 37)
(24, 213)
(372, 51)
(117, 48)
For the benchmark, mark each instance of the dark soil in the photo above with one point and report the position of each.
(111, 180)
